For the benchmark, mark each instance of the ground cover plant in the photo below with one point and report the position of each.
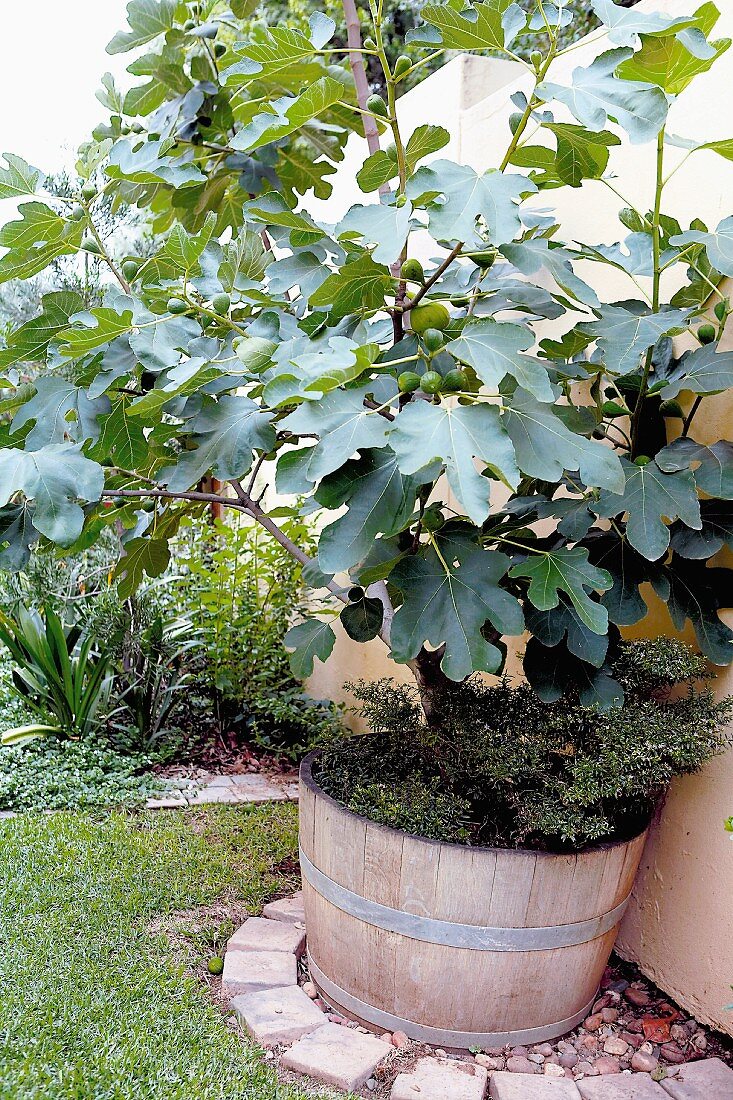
(98, 1001)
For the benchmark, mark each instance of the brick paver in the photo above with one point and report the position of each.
(275, 1016)
(337, 1055)
(525, 1086)
(439, 1079)
(251, 971)
(621, 1086)
(710, 1079)
(260, 934)
(290, 910)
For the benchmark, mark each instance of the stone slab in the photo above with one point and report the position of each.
(617, 1086)
(709, 1079)
(251, 971)
(439, 1079)
(525, 1086)
(289, 910)
(260, 934)
(337, 1056)
(277, 1016)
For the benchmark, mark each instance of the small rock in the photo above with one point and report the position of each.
(518, 1063)
(636, 996)
(609, 1015)
(616, 1046)
(387, 1037)
(602, 1002)
(519, 1052)
(335, 1018)
(537, 1059)
(569, 1060)
(700, 1041)
(634, 1025)
(552, 1070)
(310, 990)
(490, 1062)
(606, 1064)
(588, 1042)
(679, 1033)
(585, 1069)
(593, 1022)
(565, 1047)
(400, 1040)
(620, 986)
(672, 1053)
(371, 1084)
(632, 1039)
(545, 1049)
(642, 1062)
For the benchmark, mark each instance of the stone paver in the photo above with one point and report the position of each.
(290, 910)
(626, 1086)
(260, 934)
(251, 971)
(706, 1080)
(524, 1086)
(276, 1016)
(337, 1056)
(439, 1079)
(225, 789)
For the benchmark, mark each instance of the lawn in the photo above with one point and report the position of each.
(96, 1002)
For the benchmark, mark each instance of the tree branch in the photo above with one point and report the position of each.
(356, 62)
(433, 278)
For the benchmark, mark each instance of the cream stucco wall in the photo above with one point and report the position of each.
(678, 926)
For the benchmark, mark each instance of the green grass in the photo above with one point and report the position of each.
(95, 1004)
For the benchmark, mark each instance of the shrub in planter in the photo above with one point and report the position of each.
(255, 339)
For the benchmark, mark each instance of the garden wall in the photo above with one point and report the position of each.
(678, 927)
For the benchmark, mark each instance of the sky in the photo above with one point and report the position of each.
(52, 56)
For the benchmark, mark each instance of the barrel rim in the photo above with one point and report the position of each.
(308, 780)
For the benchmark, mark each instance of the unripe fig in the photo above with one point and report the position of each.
(642, 460)
(400, 200)
(189, 25)
(90, 245)
(376, 105)
(130, 269)
(176, 305)
(706, 334)
(454, 381)
(221, 303)
(402, 65)
(429, 315)
(536, 59)
(483, 259)
(219, 49)
(408, 381)
(369, 44)
(721, 309)
(433, 339)
(412, 270)
(672, 409)
(89, 191)
(77, 213)
(431, 382)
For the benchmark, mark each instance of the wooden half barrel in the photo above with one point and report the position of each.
(455, 946)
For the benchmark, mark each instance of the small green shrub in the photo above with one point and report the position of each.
(500, 766)
(241, 590)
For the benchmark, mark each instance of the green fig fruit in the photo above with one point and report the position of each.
(431, 382)
(432, 518)
(672, 409)
(376, 105)
(429, 315)
(412, 271)
(130, 269)
(454, 381)
(408, 381)
(433, 339)
(221, 303)
(706, 334)
(176, 305)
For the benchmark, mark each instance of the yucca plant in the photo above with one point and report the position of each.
(58, 672)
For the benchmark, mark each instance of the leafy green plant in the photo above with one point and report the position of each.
(57, 672)
(241, 590)
(508, 769)
(254, 339)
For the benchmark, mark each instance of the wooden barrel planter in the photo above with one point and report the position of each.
(455, 946)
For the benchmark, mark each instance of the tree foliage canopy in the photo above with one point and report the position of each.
(254, 337)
